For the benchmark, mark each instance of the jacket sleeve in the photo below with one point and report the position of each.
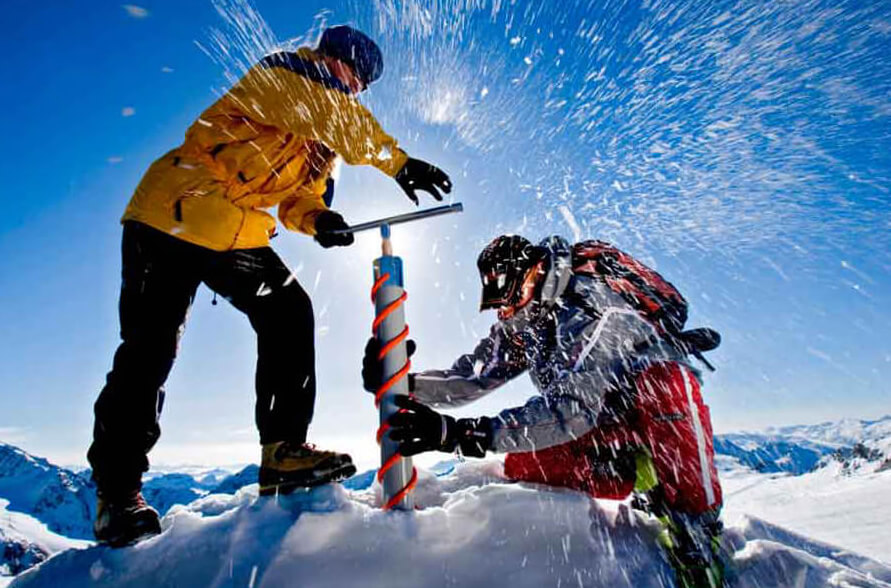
(291, 102)
(601, 360)
(494, 361)
(298, 211)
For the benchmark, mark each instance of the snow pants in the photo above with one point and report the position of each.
(666, 418)
(160, 275)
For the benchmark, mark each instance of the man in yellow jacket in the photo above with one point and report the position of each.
(199, 215)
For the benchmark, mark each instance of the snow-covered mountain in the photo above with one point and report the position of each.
(769, 454)
(65, 501)
(45, 508)
(25, 542)
(60, 498)
(163, 490)
(799, 449)
(231, 484)
(841, 433)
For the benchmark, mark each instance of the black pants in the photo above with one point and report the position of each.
(160, 277)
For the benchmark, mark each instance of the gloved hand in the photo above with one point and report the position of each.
(373, 371)
(418, 428)
(420, 175)
(328, 221)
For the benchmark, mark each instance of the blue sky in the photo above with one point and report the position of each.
(741, 151)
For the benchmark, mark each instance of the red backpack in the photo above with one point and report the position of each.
(643, 288)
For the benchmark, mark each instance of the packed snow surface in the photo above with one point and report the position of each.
(848, 510)
(475, 528)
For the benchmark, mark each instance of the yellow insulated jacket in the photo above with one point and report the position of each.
(270, 141)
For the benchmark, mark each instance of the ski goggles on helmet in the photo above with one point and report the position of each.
(503, 266)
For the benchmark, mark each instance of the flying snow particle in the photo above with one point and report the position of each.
(819, 354)
(484, 92)
(128, 111)
(515, 41)
(114, 159)
(385, 154)
(573, 224)
(167, 69)
(527, 60)
(97, 570)
(135, 11)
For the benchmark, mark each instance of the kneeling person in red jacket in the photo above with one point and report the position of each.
(620, 408)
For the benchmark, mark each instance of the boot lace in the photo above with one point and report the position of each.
(291, 448)
(134, 503)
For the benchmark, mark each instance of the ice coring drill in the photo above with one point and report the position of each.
(396, 475)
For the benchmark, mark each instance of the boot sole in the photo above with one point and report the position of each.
(273, 483)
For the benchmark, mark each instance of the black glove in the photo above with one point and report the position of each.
(328, 221)
(373, 371)
(417, 428)
(420, 175)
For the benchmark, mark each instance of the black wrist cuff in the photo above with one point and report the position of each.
(474, 436)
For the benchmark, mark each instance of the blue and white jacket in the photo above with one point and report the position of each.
(578, 340)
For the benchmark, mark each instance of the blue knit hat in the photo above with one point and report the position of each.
(355, 49)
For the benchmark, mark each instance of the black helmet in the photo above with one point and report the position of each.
(503, 264)
(355, 49)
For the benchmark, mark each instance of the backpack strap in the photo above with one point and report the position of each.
(695, 341)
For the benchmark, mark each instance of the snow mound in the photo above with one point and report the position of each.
(476, 529)
(850, 511)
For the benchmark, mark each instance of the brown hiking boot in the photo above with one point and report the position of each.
(286, 466)
(124, 520)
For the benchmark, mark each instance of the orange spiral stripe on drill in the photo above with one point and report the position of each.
(397, 498)
(391, 461)
(381, 431)
(378, 284)
(393, 343)
(387, 311)
(403, 372)
(391, 382)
